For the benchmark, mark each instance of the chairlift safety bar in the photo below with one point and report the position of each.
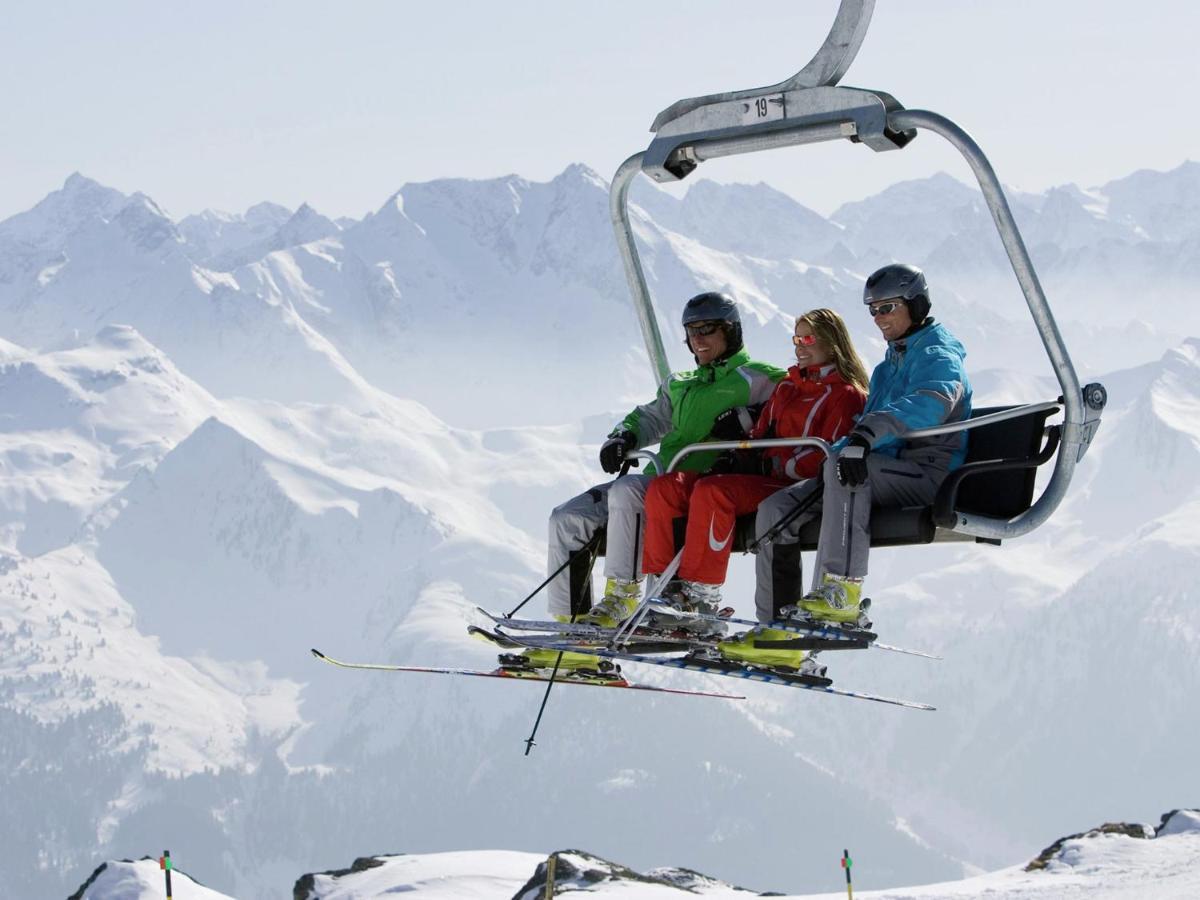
(1015, 412)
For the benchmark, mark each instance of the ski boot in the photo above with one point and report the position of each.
(572, 667)
(691, 597)
(747, 649)
(838, 600)
(618, 603)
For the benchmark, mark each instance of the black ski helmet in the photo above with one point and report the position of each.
(900, 282)
(714, 306)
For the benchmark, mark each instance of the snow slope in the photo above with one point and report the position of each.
(1115, 862)
(141, 880)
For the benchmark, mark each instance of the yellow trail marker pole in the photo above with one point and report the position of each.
(550, 866)
(847, 862)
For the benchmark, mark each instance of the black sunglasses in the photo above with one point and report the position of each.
(703, 329)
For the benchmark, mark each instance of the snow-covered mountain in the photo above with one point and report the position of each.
(232, 438)
(1116, 860)
(447, 277)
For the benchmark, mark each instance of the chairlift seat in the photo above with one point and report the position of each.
(996, 479)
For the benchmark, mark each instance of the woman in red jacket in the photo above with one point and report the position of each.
(820, 397)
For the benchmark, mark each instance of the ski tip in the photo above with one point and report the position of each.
(317, 653)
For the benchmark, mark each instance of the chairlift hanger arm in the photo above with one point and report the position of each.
(826, 68)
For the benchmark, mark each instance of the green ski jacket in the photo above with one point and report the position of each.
(687, 402)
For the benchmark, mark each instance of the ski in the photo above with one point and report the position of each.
(693, 663)
(858, 636)
(823, 637)
(645, 643)
(581, 644)
(513, 674)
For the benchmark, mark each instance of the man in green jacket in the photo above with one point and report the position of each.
(682, 413)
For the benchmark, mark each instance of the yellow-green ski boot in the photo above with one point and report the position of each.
(618, 603)
(838, 599)
(744, 648)
(537, 658)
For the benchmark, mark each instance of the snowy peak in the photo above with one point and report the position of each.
(141, 880)
(276, 534)
(305, 225)
(1161, 204)
(118, 369)
(459, 214)
(61, 213)
(212, 234)
(1069, 219)
(753, 219)
(910, 220)
(266, 215)
(575, 870)
(511, 217)
(1174, 395)
(78, 424)
(582, 176)
(146, 225)
(137, 237)
(936, 192)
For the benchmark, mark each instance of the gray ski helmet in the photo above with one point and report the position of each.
(900, 282)
(713, 306)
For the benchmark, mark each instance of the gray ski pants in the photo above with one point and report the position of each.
(619, 506)
(845, 540)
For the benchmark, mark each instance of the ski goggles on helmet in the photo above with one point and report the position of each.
(702, 329)
(804, 340)
(883, 309)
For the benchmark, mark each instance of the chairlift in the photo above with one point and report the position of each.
(991, 496)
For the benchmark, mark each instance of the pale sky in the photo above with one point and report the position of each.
(224, 104)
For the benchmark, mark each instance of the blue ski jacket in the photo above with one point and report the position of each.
(920, 383)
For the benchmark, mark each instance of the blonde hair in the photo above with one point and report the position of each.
(831, 331)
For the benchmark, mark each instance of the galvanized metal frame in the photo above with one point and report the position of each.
(810, 108)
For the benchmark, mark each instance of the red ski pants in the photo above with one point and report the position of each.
(711, 504)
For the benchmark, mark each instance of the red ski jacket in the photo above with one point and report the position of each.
(813, 402)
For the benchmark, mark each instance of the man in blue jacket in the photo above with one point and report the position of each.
(920, 383)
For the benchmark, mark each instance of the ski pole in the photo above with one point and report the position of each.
(529, 741)
(846, 864)
(802, 506)
(164, 863)
(592, 543)
(625, 630)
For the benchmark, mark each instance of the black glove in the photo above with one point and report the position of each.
(852, 461)
(723, 464)
(612, 453)
(739, 462)
(733, 424)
